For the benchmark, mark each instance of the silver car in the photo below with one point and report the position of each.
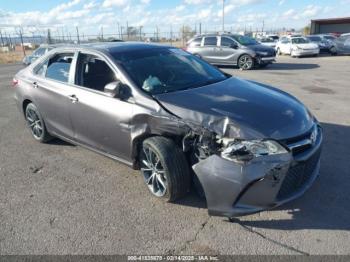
(40, 51)
(228, 49)
(166, 112)
(342, 44)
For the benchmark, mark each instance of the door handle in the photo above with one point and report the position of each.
(73, 98)
(35, 85)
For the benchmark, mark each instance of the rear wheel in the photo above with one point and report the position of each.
(36, 124)
(164, 168)
(245, 62)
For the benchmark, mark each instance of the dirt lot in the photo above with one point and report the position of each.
(12, 57)
(61, 199)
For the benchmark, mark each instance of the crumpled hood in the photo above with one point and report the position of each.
(261, 48)
(240, 108)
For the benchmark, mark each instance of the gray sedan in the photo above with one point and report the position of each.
(166, 112)
(229, 49)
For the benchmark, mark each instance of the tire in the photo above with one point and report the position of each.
(246, 62)
(333, 50)
(36, 124)
(164, 168)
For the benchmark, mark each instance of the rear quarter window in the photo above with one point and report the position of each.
(195, 42)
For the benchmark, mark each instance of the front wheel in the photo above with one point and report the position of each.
(333, 50)
(164, 168)
(36, 124)
(246, 62)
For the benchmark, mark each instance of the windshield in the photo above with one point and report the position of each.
(245, 40)
(267, 40)
(315, 38)
(300, 40)
(163, 70)
(329, 37)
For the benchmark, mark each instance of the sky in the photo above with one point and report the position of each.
(166, 15)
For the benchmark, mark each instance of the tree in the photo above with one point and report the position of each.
(187, 32)
(306, 30)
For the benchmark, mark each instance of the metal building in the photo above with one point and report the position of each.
(330, 25)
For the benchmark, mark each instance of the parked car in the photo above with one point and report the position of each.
(251, 146)
(342, 44)
(40, 51)
(238, 50)
(274, 37)
(297, 47)
(268, 42)
(324, 45)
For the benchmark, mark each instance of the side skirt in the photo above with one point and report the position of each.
(121, 160)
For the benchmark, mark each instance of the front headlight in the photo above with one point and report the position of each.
(245, 150)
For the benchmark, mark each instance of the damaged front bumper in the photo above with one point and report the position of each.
(236, 189)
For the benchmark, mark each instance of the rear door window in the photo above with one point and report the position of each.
(195, 42)
(210, 41)
(59, 66)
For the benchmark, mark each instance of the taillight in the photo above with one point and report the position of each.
(14, 82)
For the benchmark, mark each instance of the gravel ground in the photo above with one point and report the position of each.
(62, 199)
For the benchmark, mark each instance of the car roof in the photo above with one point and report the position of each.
(114, 47)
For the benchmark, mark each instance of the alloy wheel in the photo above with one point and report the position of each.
(245, 62)
(153, 172)
(34, 122)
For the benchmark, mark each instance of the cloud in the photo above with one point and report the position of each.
(180, 8)
(281, 2)
(195, 2)
(146, 2)
(310, 11)
(111, 3)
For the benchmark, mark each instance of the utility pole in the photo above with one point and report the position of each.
(200, 28)
(118, 30)
(127, 29)
(171, 35)
(102, 33)
(223, 15)
(20, 33)
(78, 39)
(263, 25)
(121, 32)
(2, 40)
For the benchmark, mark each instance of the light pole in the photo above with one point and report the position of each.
(223, 15)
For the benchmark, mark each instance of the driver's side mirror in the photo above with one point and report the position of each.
(113, 89)
(233, 45)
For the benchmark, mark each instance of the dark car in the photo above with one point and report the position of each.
(238, 50)
(325, 45)
(247, 146)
